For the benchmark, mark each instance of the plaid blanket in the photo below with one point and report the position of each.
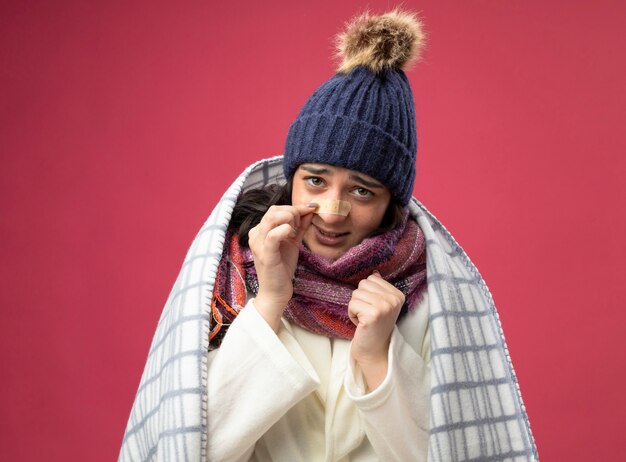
(477, 411)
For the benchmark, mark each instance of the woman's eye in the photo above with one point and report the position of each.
(362, 192)
(314, 181)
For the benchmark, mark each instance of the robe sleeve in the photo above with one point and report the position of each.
(396, 414)
(255, 377)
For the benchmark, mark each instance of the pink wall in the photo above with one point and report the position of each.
(120, 126)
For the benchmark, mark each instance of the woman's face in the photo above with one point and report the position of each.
(330, 236)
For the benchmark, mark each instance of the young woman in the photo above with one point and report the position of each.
(342, 322)
(314, 368)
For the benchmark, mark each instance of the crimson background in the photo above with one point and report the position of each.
(121, 123)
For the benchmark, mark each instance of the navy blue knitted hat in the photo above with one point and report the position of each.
(363, 118)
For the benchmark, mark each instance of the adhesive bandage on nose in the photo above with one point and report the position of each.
(333, 207)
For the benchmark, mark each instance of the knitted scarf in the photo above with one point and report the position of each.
(323, 288)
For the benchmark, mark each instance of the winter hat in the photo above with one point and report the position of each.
(363, 118)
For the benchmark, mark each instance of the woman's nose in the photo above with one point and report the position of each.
(332, 218)
(333, 209)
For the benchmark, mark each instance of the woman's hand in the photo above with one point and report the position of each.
(374, 309)
(275, 243)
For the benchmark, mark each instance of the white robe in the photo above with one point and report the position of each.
(298, 396)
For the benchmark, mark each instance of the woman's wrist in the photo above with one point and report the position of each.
(374, 372)
(373, 364)
(271, 310)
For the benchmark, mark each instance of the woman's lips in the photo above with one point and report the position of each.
(329, 238)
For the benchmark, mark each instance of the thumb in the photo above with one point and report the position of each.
(305, 222)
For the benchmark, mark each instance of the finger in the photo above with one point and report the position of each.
(380, 289)
(277, 215)
(252, 233)
(355, 309)
(390, 294)
(305, 223)
(306, 209)
(280, 234)
(376, 278)
(366, 296)
(255, 238)
(303, 210)
(382, 303)
(376, 286)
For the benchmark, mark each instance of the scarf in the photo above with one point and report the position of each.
(323, 288)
